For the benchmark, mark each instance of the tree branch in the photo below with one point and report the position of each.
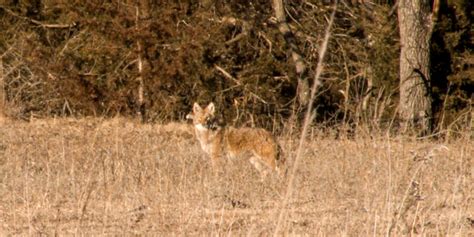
(39, 23)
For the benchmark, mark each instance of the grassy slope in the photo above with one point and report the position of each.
(119, 177)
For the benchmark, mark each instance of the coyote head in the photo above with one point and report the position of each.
(203, 119)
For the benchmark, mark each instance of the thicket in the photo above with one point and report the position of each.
(79, 58)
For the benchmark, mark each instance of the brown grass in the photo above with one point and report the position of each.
(119, 177)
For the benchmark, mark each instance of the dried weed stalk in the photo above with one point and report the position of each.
(307, 122)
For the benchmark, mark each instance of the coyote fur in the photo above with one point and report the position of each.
(217, 140)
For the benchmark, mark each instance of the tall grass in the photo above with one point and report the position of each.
(120, 177)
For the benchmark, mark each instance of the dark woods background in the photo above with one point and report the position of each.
(80, 58)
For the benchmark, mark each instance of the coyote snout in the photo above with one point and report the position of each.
(217, 140)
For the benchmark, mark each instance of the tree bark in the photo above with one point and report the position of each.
(416, 26)
(303, 86)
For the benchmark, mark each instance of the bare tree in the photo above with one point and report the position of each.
(416, 22)
(301, 70)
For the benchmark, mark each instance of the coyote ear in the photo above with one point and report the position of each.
(196, 108)
(211, 108)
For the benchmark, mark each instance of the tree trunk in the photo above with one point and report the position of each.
(141, 13)
(2, 93)
(416, 25)
(303, 86)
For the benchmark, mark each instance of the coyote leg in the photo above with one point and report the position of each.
(262, 169)
(215, 162)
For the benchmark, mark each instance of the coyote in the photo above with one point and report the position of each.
(217, 140)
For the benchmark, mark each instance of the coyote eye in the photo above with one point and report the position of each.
(211, 123)
(208, 120)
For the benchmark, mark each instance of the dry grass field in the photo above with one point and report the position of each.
(119, 177)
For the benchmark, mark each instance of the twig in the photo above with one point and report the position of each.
(226, 74)
(261, 34)
(233, 21)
